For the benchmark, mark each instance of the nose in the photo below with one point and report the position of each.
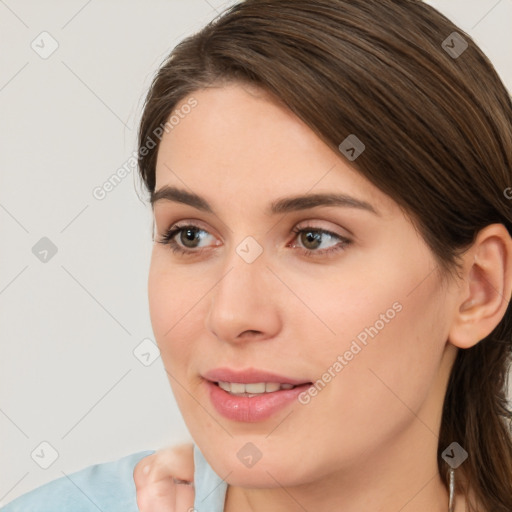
(243, 303)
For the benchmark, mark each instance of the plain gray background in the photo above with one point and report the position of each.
(75, 326)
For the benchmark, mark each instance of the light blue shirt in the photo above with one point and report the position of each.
(109, 487)
(210, 488)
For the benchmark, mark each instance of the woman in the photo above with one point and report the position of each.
(332, 267)
(408, 278)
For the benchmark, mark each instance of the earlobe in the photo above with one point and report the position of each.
(484, 297)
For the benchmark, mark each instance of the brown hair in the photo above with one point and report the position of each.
(437, 129)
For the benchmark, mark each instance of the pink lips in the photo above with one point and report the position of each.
(255, 408)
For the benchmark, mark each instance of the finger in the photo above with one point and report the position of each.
(177, 461)
(141, 471)
(158, 497)
(158, 479)
(155, 491)
(185, 497)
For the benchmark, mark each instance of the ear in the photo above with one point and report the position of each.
(487, 283)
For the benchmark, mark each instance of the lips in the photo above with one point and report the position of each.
(248, 407)
(253, 408)
(250, 376)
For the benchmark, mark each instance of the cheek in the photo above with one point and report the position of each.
(172, 292)
(177, 300)
(169, 300)
(345, 311)
(386, 324)
(161, 303)
(166, 307)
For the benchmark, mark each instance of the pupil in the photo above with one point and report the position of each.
(190, 235)
(312, 237)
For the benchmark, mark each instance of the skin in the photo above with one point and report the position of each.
(368, 440)
(156, 490)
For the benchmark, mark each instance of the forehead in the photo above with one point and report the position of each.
(240, 137)
(233, 121)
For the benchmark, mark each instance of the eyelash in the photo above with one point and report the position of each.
(168, 239)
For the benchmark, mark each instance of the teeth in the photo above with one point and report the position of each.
(269, 387)
(237, 388)
(257, 388)
(224, 385)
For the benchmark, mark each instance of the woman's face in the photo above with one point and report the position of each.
(352, 300)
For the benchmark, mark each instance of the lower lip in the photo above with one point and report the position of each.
(251, 409)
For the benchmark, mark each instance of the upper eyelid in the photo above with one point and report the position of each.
(298, 226)
(186, 223)
(346, 232)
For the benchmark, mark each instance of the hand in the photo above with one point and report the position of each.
(154, 480)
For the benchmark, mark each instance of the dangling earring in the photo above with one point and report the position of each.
(452, 490)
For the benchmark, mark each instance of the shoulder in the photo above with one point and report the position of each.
(105, 486)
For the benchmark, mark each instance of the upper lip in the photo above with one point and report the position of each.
(249, 376)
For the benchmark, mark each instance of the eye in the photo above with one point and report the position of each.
(189, 237)
(312, 238)
(186, 239)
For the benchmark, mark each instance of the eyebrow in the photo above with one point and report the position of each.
(283, 205)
